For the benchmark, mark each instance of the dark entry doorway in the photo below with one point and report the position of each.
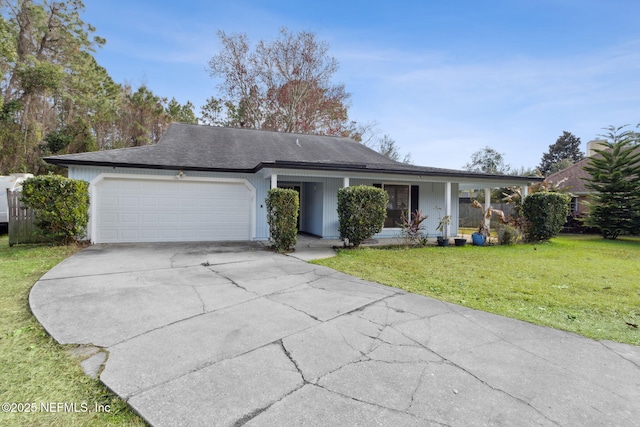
(298, 189)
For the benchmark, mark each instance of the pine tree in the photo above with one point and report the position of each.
(566, 147)
(614, 206)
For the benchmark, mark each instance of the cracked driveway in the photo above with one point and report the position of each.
(231, 334)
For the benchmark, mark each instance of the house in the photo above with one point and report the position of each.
(572, 179)
(203, 183)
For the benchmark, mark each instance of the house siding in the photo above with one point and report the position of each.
(331, 228)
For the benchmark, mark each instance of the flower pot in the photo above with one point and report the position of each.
(477, 239)
(460, 242)
(442, 241)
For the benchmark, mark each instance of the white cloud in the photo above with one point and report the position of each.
(518, 105)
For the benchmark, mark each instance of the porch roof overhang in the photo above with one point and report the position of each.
(466, 180)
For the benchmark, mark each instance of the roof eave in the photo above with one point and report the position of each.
(355, 167)
(363, 168)
(67, 162)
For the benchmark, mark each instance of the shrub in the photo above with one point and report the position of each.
(544, 213)
(282, 216)
(412, 230)
(508, 235)
(60, 205)
(361, 211)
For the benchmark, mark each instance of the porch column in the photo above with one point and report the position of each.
(345, 182)
(274, 181)
(524, 192)
(487, 204)
(447, 208)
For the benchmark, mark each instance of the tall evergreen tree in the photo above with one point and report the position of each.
(614, 206)
(45, 47)
(566, 147)
(181, 113)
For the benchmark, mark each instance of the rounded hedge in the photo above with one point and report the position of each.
(362, 210)
(282, 216)
(544, 213)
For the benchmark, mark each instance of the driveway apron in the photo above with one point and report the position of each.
(231, 334)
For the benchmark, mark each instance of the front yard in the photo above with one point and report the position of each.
(584, 284)
(40, 383)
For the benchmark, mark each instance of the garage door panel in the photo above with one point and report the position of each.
(130, 187)
(149, 201)
(150, 219)
(129, 201)
(132, 210)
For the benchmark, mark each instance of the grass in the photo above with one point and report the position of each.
(33, 367)
(583, 284)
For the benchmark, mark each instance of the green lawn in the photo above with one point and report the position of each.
(33, 367)
(583, 284)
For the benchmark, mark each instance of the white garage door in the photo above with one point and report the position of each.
(148, 210)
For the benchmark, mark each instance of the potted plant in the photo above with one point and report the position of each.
(460, 241)
(443, 239)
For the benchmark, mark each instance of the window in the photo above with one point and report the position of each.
(398, 206)
(573, 207)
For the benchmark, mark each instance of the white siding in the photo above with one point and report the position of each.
(331, 229)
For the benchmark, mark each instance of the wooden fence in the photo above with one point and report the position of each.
(471, 217)
(22, 228)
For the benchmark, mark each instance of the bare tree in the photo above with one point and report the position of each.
(283, 85)
(368, 134)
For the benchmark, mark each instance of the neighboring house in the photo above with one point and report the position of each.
(203, 183)
(571, 179)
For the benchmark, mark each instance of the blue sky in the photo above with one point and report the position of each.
(442, 78)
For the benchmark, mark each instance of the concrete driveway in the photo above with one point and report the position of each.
(231, 334)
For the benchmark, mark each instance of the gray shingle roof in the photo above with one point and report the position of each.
(572, 178)
(209, 148)
(217, 148)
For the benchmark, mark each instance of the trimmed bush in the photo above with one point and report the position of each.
(282, 216)
(544, 213)
(361, 211)
(60, 205)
